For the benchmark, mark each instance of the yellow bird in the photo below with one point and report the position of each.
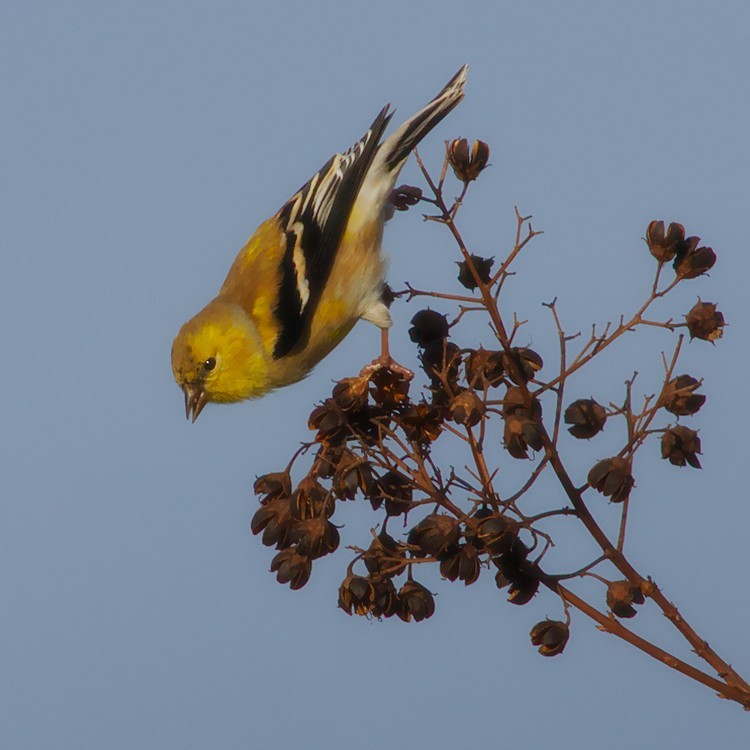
(307, 275)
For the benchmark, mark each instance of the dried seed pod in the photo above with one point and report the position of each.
(386, 601)
(353, 473)
(395, 490)
(516, 572)
(522, 364)
(422, 423)
(664, 247)
(680, 445)
(385, 556)
(472, 526)
(326, 460)
(523, 427)
(433, 533)
(405, 196)
(496, 534)
(315, 537)
(427, 326)
(274, 519)
(292, 568)
(330, 420)
(705, 322)
(364, 424)
(441, 358)
(621, 595)
(356, 595)
(390, 389)
(311, 500)
(612, 477)
(463, 563)
(467, 166)
(484, 368)
(274, 484)
(551, 637)
(587, 418)
(694, 261)
(483, 267)
(416, 602)
(679, 396)
(523, 590)
(351, 393)
(467, 408)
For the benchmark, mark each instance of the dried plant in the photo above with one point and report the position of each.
(376, 439)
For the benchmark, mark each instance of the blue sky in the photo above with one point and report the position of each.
(141, 144)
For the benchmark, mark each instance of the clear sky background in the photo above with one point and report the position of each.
(140, 144)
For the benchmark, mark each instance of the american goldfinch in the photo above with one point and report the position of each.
(307, 275)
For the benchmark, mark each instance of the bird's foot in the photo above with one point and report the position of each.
(386, 362)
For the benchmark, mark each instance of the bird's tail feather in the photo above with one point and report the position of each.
(397, 147)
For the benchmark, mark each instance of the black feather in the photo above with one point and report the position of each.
(315, 219)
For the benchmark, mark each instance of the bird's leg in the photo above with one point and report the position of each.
(385, 361)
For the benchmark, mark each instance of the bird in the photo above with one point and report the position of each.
(307, 274)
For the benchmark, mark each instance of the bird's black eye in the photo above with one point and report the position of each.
(209, 364)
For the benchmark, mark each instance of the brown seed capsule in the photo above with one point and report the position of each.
(385, 556)
(612, 477)
(665, 247)
(587, 418)
(462, 564)
(326, 460)
(523, 427)
(292, 568)
(551, 637)
(484, 368)
(496, 534)
(517, 573)
(472, 526)
(395, 490)
(315, 537)
(467, 408)
(515, 569)
(522, 364)
(427, 326)
(356, 595)
(386, 601)
(433, 533)
(274, 519)
(417, 602)
(679, 396)
(441, 358)
(467, 167)
(422, 423)
(329, 420)
(621, 595)
(353, 473)
(389, 388)
(405, 196)
(351, 393)
(694, 261)
(311, 500)
(680, 445)
(483, 268)
(364, 424)
(274, 484)
(705, 322)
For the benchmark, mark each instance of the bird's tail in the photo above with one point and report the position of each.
(394, 150)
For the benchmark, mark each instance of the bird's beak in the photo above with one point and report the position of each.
(195, 400)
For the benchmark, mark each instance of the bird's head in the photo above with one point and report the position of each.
(218, 356)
